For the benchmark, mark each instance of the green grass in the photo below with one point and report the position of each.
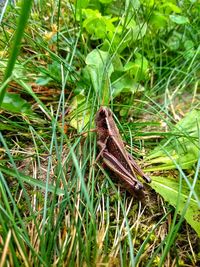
(58, 205)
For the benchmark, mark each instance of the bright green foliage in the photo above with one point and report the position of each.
(52, 73)
(26, 8)
(125, 84)
(138, 68)
(158, 20)
(177, 194)
(182, 148)
(126, 34)
(15, 104)
(82, 3)
(181, 151)
(110, 78)
(179, 19)
(99, 67)
(96, 24)
(79, 116)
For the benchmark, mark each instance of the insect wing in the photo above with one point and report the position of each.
(118, 168)
(138, 170)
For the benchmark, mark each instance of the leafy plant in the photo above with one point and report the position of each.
(182, 147)
(181, 151)
(97, 26)
(26, 8)
(15, 104)
(179, 194)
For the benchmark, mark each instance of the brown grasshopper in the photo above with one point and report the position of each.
(114, 154)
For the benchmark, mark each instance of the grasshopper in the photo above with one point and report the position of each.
(114, 154)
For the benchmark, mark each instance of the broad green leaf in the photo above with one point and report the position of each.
(79, 5)
(100, 69)
(168, 188)
(170, 7)
(90, 13)
(190, 123)
(96, 24)
(43, 81)
(136, 4)
(173, 43)
(134, 33)
(183, 146)
(125, 83)
(138, 31)
(82, 3)
(179, 19)
(190, 49)
(189, 44)
(14, 103)
(117, 64)
(96, 27)
(149, 3)
(51, 73)
(129, 23)
(78, 116)
(138, 68)
(158, 20)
